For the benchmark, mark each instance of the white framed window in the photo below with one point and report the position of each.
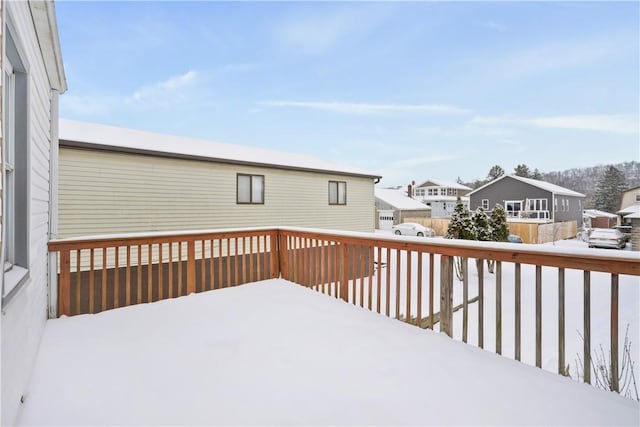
(250, 189)
(9, 85)
(485, 204)
(452, 192)
(537, 204)
(555, 204)
(513, 207)
(337, 193)
(15, 168)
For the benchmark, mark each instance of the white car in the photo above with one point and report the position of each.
(606, 238)
(413, 229)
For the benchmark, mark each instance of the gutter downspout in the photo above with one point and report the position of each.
(53, 207)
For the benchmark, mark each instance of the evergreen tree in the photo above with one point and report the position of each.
(481, 225)
(460, 225)
(523, 171)
(496, 171)
(536, 174)
(609, 190)
(498, 227)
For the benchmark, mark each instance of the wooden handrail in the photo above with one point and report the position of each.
(97, 273)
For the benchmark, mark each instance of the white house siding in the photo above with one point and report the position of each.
(112, 192)
(25, 314)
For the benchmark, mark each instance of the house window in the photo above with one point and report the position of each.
(337, 193)
(15, 167)
(537, 204)
(485, 204)
(555, 205)
(452, 192)
(638, 197)
(250, 189)
(443, 191)
(513, 207)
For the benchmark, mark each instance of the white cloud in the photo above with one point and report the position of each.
(495, 26)
(162, 90)
(315, 34)
(162, 94)
(616, 123)
(418, 161)
(368, 108)
(613, 123)
(561, 55)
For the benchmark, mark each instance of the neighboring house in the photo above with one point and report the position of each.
(32, 79)
(529, 198)
(624, 217)
(633, 219)
(115, 180)
(630, 197)
(593, 218)
(394, 207)
(441, 196)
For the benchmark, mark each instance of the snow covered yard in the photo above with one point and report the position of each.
(629, 306)
(273, 352)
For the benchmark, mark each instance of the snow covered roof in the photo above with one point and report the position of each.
(336, 364)
(556, 189)
(595, 213)
(444, 198)
(92, 135)
(440, 183)
(633, 209)
(399, 200)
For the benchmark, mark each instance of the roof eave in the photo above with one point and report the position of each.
(44, 17)
(119, 149)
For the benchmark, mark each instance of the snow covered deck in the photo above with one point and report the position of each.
(273, 352)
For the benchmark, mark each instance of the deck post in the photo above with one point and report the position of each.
(344, 277)
(275, 254)
(446, 295)
(283, 255)
(191, 266)
(64, 285)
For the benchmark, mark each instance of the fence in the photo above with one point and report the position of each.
(530, 232)
(411, 279)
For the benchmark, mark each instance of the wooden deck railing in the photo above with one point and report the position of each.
(96, 274)
(410, 279)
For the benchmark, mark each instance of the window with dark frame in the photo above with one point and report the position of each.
(337, 192)
(249, 189)
(485, 204)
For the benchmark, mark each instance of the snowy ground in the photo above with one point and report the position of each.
(276, 353)
(629, 307)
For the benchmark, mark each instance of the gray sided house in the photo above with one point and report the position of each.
(32, 78)
(115, 180)
(528, 198)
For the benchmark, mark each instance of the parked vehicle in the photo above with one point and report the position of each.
(514, 238)
(606, 238)
(625, 230)
(413, 229)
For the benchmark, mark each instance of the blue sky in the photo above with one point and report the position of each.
(410, 90)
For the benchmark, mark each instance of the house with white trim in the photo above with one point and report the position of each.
(441, 196)
(531, 199)
(32, 78)
(116, 180)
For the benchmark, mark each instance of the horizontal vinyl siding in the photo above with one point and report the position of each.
(107, 192)
(24, 316)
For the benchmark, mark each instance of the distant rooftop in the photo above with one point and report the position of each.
(92, 135)
(556, 189)
(399, 200)
(440, 183)
(594, 213)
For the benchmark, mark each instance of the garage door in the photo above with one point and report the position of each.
(385, 219)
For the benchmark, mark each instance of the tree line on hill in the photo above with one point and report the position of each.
(602, 185)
